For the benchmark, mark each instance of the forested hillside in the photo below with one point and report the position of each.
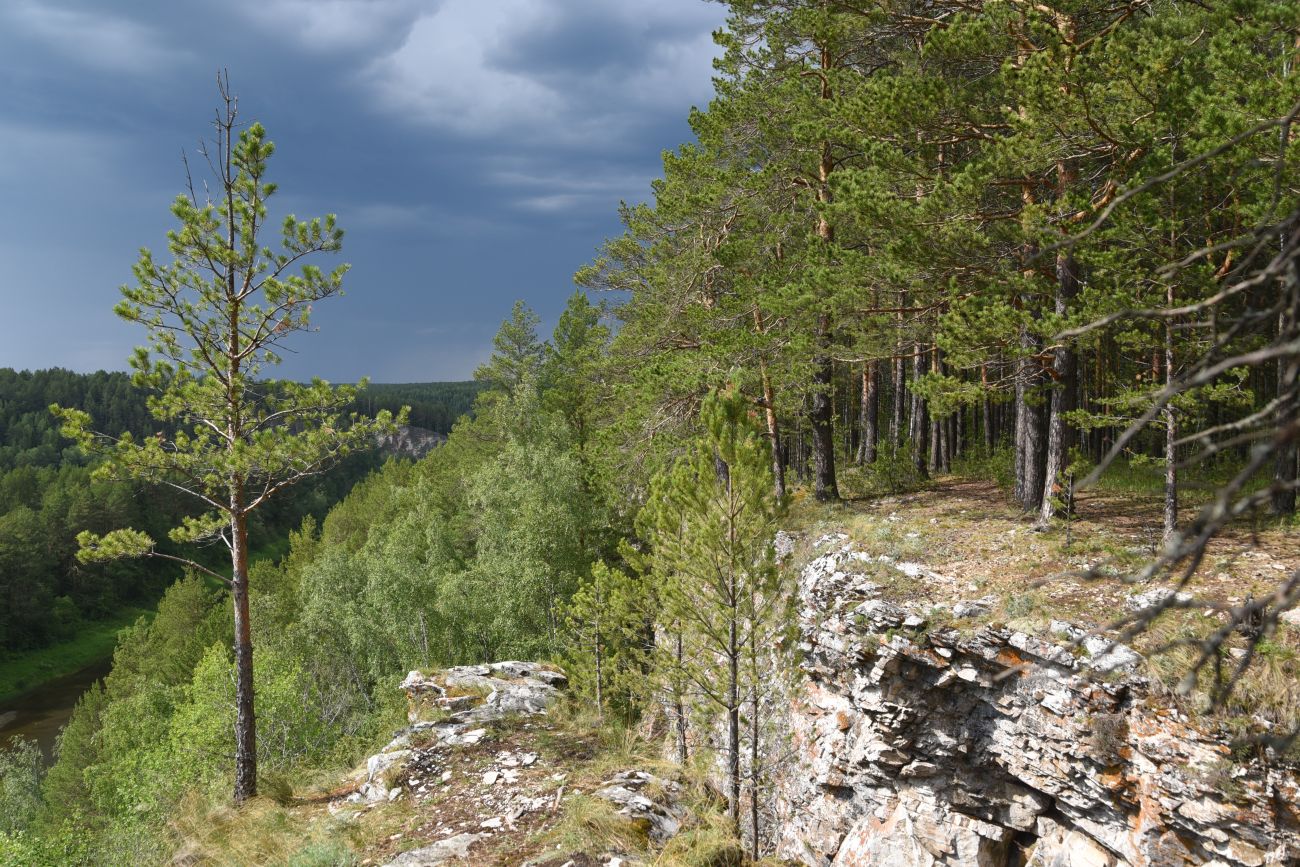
(1019, 249)
(434, 406)
(891, 216)
(47, 497)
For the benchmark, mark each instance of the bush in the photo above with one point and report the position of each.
(980, 463)
(893, 472)
(20, 785)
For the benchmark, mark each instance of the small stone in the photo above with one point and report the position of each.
(490, 778)
(494, 822)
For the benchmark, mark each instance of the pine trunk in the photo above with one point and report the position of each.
(821, 416)
(733, 724)
(919, 428)
(679, 706)
(773, 433)
(754, 764)
(1171, 432)
(1030, 454)
(1064, 369)
(870, 413)
(245, 716)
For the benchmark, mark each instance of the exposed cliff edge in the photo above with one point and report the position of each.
(410, 442)
(989, 746)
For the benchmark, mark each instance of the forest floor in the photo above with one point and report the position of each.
(973, 542)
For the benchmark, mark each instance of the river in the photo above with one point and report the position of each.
(41, 713)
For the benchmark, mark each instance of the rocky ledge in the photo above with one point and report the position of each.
(987, 746)
(472, 769)
(450, 708)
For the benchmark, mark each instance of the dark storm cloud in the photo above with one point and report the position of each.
(474, 151)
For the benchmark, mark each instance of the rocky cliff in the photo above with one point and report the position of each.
(972, 743)
(409, 442)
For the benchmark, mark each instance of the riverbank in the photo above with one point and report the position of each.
(94, 643)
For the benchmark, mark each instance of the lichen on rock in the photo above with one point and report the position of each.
(989, 747)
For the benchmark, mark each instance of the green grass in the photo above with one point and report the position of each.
(94, 642)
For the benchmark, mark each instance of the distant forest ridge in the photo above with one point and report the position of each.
(47, 496)
(29, 435)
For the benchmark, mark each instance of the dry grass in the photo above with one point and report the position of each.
(978, 544)
(260, 832)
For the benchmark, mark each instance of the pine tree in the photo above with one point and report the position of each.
(518, 353)
(217, 316)
(607, 652)
(711, 522)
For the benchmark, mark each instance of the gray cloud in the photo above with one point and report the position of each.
(95, 38)
(546, 72)
(474, 150)
(327, 26)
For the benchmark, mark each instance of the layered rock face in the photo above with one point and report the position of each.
(410, 442)
(995, 748)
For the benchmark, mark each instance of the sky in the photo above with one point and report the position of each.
(475, 152)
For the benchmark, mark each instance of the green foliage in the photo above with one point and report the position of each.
(20, 785)
(894, 471)
(710, 522)
(609, 641)
(434, 406)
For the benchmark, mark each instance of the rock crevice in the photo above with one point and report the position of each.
(993, 747)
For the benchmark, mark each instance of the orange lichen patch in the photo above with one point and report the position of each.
(1115, 780)
(1012, 658)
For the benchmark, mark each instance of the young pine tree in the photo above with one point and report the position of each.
(217, 316)
(607, 649)
(711, 520)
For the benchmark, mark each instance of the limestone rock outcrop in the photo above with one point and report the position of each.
(450, 708)
(647, 799)
(407, 441)
(920, 746)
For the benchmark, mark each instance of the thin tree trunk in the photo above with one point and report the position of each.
(986, 414)
(600, 691)
(1020, 423)
(900, 389)
(900, 376)
(679, 706)
(245, 715)
(733, 716)
(823, 423)
(870, 413)
(754, 733)
(1064, 367)
(1029, 432)
(773, 431)
(769, 409)
(1171, 430)
(919, 428)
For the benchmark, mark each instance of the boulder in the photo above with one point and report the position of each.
(456, 847)
(648, 799)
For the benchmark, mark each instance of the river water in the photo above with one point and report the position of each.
(40, 714)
